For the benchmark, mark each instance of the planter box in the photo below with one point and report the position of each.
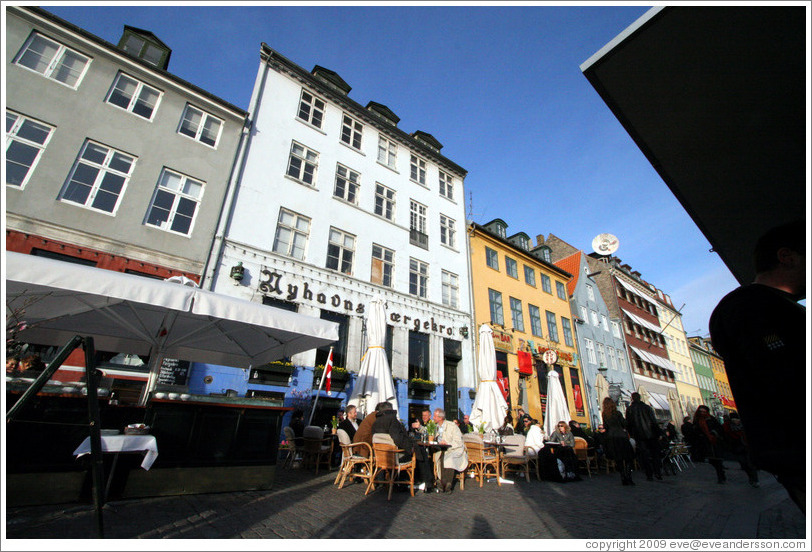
(337, 380)
(271, 374)
(421, 390)
(472, 393)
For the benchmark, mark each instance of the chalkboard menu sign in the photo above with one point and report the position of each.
(173, 372)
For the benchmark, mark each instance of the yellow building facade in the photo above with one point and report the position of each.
(676, 343)
(524, 300)
(725, 395)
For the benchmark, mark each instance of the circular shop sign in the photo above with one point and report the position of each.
(549, 357)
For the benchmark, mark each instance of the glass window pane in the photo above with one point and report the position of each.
(112, 183)
(133, 45)
(282, 241)
(161, 208)
(39, 54)
(10, 120)
(70, 68)
(302, 224)
(186, 207)
(146, 103)
(21, 154)
(170, 180)
(95, 153)
(105, 201)
(191, 121)
(33, 132)
(299, 241)
(211, 128)
(192, 188)
(153, 54)
(181, 223)
(121, 163)
(123, 92)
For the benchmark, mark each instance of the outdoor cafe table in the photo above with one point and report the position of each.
(432, 447)
(117, 444)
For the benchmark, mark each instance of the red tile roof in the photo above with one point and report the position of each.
(571, 264)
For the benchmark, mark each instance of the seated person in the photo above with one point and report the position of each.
(297, 425)
(565, 453)
(507, 426)
(12, 366)
(534, 439)
(31, 366)
(364, 432)
(386, 421)
(466, 426)
(578, 431)
(350, 421)
(418, 425)
(455, 459)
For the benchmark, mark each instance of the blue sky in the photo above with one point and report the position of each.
(499, 87)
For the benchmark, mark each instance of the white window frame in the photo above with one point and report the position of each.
(295, 230)
(347, 184)
(536, 327)
(311, 111)
(593, 316)
(385, 201)
(387, 152)
(385, 259)
(178, 195)
(590, 292)
(12, 137)
(616, 329)
(529, 275)
(417, 169)
(516, 316)
(418, 278)
(133, 103)
(305, 161)
(206, 119)
(418, 224)
(601, 354)
(511, 267)
(341, 247)
(448, 231)
(451, 289)
(446, 185)
(352, 131)
(604, 322)
(590, 351)
(584, 313)
(52, 68)
(612, 361)
(104, 169)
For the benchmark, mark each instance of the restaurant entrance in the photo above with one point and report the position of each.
(452, 355)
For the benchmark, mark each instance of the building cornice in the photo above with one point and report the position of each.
(478, 228)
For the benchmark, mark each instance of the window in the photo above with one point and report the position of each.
(594, 317)
(451, 289)
(134, 96)
(347, 183)
(448, 232)
(604, 323)
(561, 290)
(175, 202)
(351, 131)
(200, 126)
(446, 185)
(545, 254)
(417, 225)
(311, 109)
(621, 361)
(529, 276)
(616, 329)
(383, 265)
(535, 320)
(511, 267)
(495, 301)
(340, 250)
(53, 60)
(612, 361)
(303, 163)
(584, 315)
(98, 178)
(566, 326)
(601, 355)
(384, 202)
(418, 170)
(590, 351)
(545, 284)
(492, 258)
(516, 314)
(387, 152)
(292, 231)
(590, 292)
(552, 326)
(26, 139)
(418, 278)
(419, 358)
(145, 50)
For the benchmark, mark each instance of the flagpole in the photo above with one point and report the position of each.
(321, 384)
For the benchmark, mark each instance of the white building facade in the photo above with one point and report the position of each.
(332, 205)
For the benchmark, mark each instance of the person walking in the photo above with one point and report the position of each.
(708, 441)
(643, 427)
(737, 449)
(615, 440)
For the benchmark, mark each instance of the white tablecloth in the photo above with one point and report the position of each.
(125, 443)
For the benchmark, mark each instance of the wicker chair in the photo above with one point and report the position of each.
(317, 448)
(517, 457)
(583, 456)
(293, 450)
(352, 456)
(480, 458)
(388, 465)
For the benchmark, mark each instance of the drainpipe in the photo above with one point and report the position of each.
(227, 213)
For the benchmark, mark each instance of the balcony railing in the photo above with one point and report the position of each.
(419, 239)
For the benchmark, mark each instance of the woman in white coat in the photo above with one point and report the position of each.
(455, 458)
(535, 438)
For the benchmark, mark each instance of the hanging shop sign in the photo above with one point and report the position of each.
(502, 341)
(275, 284)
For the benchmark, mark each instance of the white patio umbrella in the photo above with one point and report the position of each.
(601, 390)
(489, 406)
(557, 410)
(675, 407)
(374, 383)
(132, 314)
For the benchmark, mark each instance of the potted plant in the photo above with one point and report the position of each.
(338, 377)
(431, 429)
(481, 429)
(334, 423)
(422, 384)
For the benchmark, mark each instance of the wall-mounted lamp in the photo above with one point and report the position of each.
(464, 332)
(237, 273)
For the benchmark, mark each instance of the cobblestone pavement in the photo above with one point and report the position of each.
(302, 505)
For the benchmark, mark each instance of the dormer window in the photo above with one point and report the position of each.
(145, 45)
(501, 231)
(545, 254)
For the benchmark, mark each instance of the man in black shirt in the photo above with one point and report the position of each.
(759, 330)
